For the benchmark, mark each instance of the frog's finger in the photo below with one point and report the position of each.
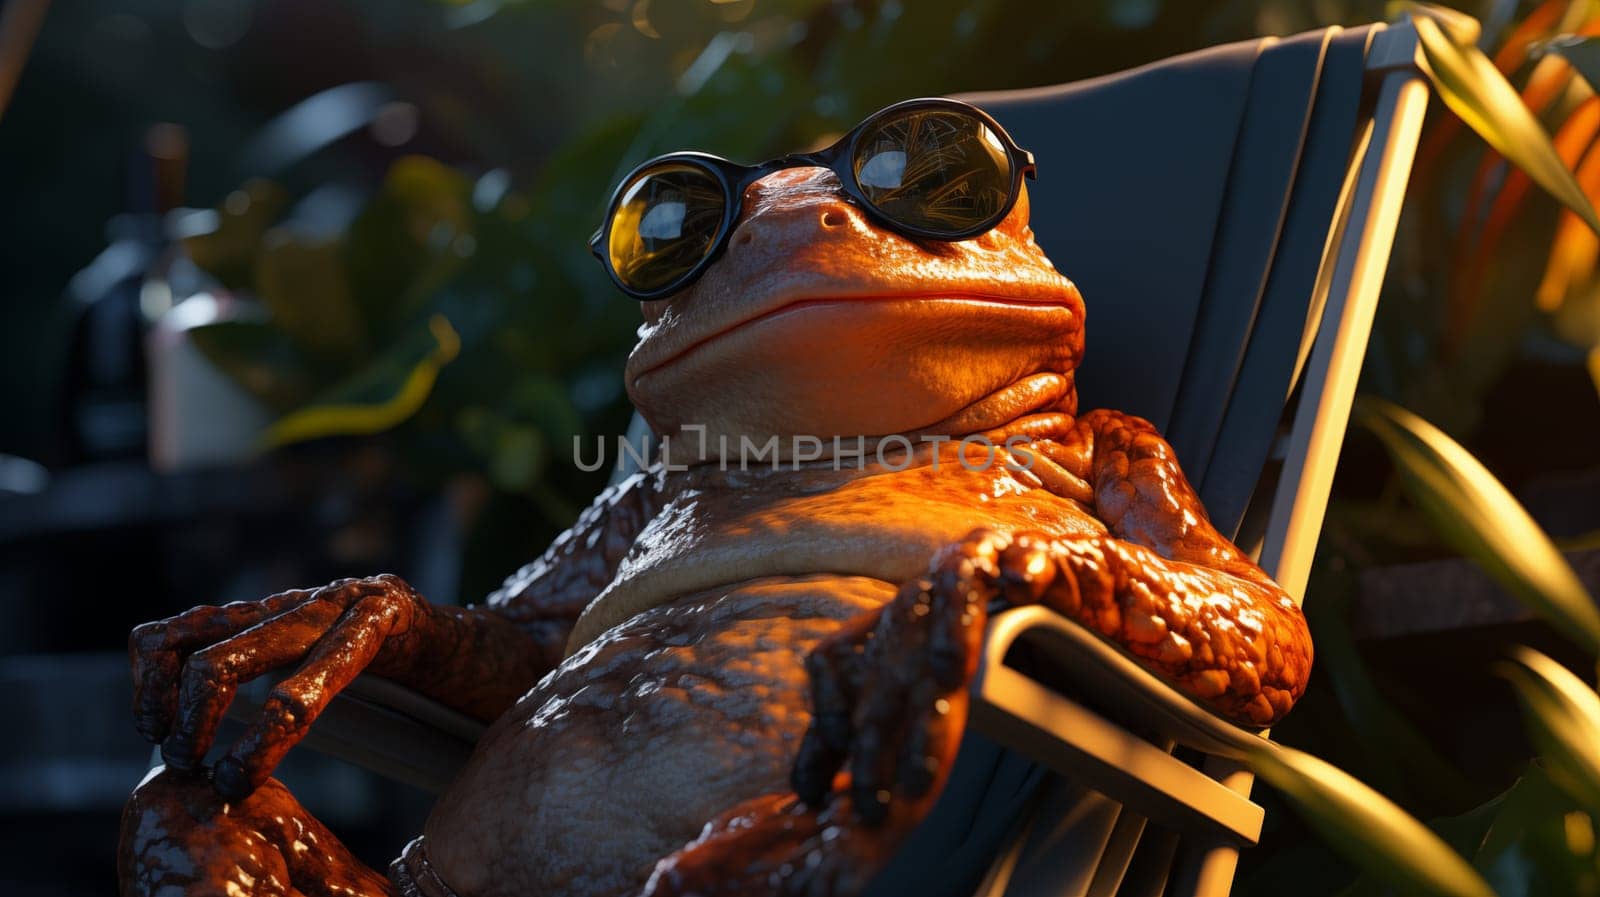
(294, 704)
(956, 620)
(916, 764)
(773, 847)
(880, 724)
(827, 739)
(868, 794)
(157, 650)
(210, 676)
(834, 668)
(814, 768)
(1027, 569)
(964, 577)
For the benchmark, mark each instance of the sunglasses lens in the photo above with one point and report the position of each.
(939, 170)
(665, 223)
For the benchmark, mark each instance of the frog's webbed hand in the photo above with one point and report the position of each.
(888, 691)
(187, 668)
(181, 839)
(477, 660)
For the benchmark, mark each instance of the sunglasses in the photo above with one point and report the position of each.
(933, 169)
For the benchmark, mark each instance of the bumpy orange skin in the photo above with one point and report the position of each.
(1172, 590)
(742, 681)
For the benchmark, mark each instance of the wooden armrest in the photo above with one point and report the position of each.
(1032, 714)
(384, 727)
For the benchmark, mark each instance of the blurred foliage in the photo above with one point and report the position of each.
(1366, 826)
(1471, 87)
(1527, 840)
(1487, 268)
(1479, 518)
(1538, 836)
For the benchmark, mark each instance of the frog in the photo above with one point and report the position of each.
(732, 678)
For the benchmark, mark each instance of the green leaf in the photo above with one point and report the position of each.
(518, 459)
(259, 357)
(303, 285)
(227, 251)
(1520, 812)
(1529, 848)
(406, 242)
(1366, 827)
(1476, 515)
(1474, 89)
(381, 396)
(1463, 30)
(1563, 720)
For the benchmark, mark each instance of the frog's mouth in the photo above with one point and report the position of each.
(909, 305)
(840, 365)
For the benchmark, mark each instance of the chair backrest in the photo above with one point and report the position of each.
(1191, 200)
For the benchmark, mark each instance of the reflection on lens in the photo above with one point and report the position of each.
(668, 218)
(935, 169)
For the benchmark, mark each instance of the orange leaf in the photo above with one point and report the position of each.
(1575, 248)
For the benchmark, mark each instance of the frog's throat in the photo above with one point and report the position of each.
(880, 520)
(1045, 392)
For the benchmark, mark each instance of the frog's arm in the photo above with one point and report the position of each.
(477, 660)
(545, 597)
(1172, 590)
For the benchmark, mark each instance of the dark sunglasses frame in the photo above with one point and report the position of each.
(735, 179)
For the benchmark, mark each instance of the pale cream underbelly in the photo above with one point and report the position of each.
(885, 526)
(623, 753)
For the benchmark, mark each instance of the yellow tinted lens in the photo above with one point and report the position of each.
(667, 220)
(936, 169)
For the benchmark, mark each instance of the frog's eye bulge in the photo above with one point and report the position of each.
(934, 170)
(664, 224)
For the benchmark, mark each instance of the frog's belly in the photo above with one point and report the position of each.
(621, 755)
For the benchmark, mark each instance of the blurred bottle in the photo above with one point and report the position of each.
(137, 386)
(199, 417)
(104, 404)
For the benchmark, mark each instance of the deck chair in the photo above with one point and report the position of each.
(1228, 215)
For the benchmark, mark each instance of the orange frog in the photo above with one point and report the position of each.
(746, 675)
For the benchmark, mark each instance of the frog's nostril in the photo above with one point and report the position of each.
(743, 239)
(833, 218)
